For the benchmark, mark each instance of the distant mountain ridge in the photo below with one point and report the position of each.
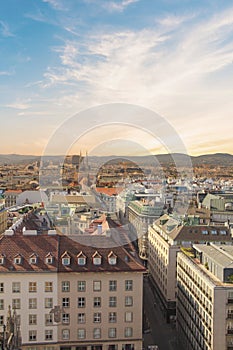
(217, 159)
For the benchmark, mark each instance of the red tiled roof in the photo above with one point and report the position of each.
(57, 245)
(109, 191)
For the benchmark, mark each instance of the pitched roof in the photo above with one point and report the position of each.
(58, 246)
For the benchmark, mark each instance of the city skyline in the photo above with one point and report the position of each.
(60, 58)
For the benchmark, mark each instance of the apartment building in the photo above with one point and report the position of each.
(70, 295)
(205, 297)
(166, 236)
(3, 216)
(11, 197)
(141, 214)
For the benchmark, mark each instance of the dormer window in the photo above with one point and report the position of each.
(18, 259)
(96, 258)
(112, 258)
(2, 259)
(81, 259)
(33, 259)
(49, 259)
(65, 259)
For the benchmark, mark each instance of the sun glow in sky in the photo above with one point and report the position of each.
(60, 57)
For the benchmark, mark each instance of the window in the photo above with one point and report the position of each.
(213, 232)
(33, 260)
(65, 318)
(15, 303)
(112, 317)
(112, 259)
(48, 286)
(128, 347)
(48, 334)
(81, 286)
(1, 287)
(112, 347)
(128, 316)
(32, 303)
(15, 287)
(112, 332)
(1, 304)
(81, 302)
(32, 319)
(97, 333)
(81, 259)
(128, 332)
(65, 334)
(81, 333)
(32, 287)
(66, 261)
(128, 285)
(1, 320)
(204, 232)
(222, 232)
(48, 303)
(112, 301)
(66, 302)
(2, 260)
(97, 286)
(81, 318)
(128, 301)
(49, 259)
(32, 335)
(65, 286)
(96, 258)
(18, 260)
(112, 286)
(48, 319)
(97, 317)
(97, 302)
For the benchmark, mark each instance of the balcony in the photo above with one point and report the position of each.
(230, 301)
(230, 315)
(230, 331)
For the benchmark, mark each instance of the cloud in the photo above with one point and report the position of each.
(21, 105)
(5, 30)
(181, 68)
(119, 6)
(7, 73)
(56, 4)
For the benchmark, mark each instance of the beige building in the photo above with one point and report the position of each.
(205, 297)
(3, 216)
(11, 197)
(141, 214)
(166, 236)
(69, 295)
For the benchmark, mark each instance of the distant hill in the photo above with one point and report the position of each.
(217, 159)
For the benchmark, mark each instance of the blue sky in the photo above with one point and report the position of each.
(61, 57)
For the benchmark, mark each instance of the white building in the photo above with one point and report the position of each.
(71, 296)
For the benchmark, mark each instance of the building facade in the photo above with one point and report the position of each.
(3, 216)
(205, 301)
(140, 215)
(69, 295)
(166, 236)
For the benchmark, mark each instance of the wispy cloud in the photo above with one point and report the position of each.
(21, 105)
(112, 5)
(118, 5)
(56, 4)
(7, 73)
(5, 30)
(167, 68)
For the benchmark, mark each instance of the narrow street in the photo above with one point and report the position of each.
(161, 333)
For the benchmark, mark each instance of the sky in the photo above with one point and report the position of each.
(60, 59)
